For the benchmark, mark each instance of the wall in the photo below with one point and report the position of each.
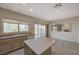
(69, 36)
(78, 32)
(7, 14)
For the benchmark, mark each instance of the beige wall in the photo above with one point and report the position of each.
(7, 14)
(69, 36)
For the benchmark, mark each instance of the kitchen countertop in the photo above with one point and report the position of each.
(12, 36)
(39, 45)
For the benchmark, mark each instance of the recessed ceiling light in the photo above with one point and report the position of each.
(31, 9)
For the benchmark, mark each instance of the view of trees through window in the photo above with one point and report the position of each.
(23, 27)
(12, 27)
(9, 27)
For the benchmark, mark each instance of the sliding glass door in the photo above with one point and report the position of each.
(40, 30)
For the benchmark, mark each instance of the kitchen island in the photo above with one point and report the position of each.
(38, 46)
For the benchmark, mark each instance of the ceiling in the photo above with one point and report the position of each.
(44, 11)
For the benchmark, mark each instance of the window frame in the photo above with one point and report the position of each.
(23, 24)
(17, 28)
(9, 23)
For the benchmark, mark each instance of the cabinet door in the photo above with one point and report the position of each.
(47, 52)
(18, 43)
(28, 51)
(5, 46)
(21, 42)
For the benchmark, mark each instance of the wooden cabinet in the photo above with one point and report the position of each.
(18, 43)
(10, 44)
(28, 51)
(5, 46)
(21, 42)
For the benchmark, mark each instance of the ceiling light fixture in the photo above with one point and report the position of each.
(58, 5)
(31, 9)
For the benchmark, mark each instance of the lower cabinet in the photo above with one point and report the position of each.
(7, 45)
(28, 51)
(18, 43)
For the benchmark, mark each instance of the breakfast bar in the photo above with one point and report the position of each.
(38, 46)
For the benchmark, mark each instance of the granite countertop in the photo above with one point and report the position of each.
(39, 45)
(12, 36)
